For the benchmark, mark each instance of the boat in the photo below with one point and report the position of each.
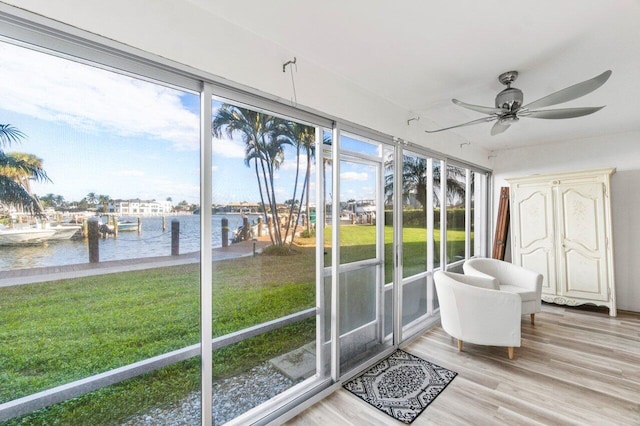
(25, 236)
(127, 225)
(123, 226)
(238, 234)
(64, 231)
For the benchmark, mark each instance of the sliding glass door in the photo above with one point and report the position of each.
(357, 218)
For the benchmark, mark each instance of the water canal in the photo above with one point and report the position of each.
(152, 241)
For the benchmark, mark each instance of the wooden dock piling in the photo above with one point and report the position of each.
(225, 232)
(175, 237)
(94, 240)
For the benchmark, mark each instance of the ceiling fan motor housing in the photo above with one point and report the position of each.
(509, 99)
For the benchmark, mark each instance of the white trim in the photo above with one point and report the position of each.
(335, 254)
(321, 359)
(398, 224)
(467, 215)
(206, 268)
(443, 214)
(430, 235)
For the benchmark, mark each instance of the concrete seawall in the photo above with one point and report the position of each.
(53, 273)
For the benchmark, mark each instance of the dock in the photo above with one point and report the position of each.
(53, 273)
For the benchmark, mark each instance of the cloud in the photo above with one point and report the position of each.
(290, 163)
(354, 176)
(228, 148)
(128, 173)
(92, 99)
(163, 188)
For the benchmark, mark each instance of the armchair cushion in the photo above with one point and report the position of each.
(472, 313)
(512, 278)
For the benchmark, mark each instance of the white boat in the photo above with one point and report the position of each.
(64, 231)
(127, 225)
(12, 237)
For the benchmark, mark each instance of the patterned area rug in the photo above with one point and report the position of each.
(402, 385)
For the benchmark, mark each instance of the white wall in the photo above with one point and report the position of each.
(621, 151)
(180, 31)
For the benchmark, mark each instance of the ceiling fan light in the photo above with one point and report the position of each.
(510, 99)
(508, 119)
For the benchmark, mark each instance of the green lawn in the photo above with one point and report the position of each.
(357, 242)
(54, 333)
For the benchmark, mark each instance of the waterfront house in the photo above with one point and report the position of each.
(370, 79)
(140, 207)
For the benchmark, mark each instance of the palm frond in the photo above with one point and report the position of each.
(10, 134)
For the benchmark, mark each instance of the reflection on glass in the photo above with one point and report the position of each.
(415, 202)
(473, 213)
(262, 186)
(455, 204)
(357, 219)
(414, 215)
(414, 300)
(389, 197)
(257, 369)
(437, 206)
(154, 398)
(359, 145)
(327, 178)
(360, 336)
(120, 153)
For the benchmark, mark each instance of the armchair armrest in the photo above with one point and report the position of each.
(475, 314)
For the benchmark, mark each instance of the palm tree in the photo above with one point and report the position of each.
(60, 201)
(302, 137)
(104, 201)
(263, 149)
(414, 180)
(91, 198)
(455, 183)
(48, 200)
(16, 172)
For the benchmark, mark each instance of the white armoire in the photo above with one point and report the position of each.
(561, 228)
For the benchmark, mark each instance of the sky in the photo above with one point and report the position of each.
(102, 132)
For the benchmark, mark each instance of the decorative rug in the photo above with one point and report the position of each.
(401, 385)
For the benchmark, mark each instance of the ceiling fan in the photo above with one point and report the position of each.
(509, 106)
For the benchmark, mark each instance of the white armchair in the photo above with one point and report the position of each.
(513, 278)
(474, 310)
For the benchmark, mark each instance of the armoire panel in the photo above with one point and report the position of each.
(562, 229)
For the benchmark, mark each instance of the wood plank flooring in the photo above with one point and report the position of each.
(576, 366)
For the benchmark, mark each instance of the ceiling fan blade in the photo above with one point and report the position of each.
(479, 120)
(498, 128)
(560, 113)
(571, 92)
(482, 109)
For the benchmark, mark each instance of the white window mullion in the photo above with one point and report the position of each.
(430, 235)
(443, 215)
(398, 193)
(321, 354)
(335, 255)
(206, 268)
(467, 215)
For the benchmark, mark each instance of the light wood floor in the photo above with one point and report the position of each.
(575, 367)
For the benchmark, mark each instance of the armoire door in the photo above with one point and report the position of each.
(582, 241)
(533, 211)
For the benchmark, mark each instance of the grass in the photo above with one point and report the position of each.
(54, 333)
(358, 243)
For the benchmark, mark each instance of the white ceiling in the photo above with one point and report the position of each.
(419, 54)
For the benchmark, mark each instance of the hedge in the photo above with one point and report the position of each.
(417, 218)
